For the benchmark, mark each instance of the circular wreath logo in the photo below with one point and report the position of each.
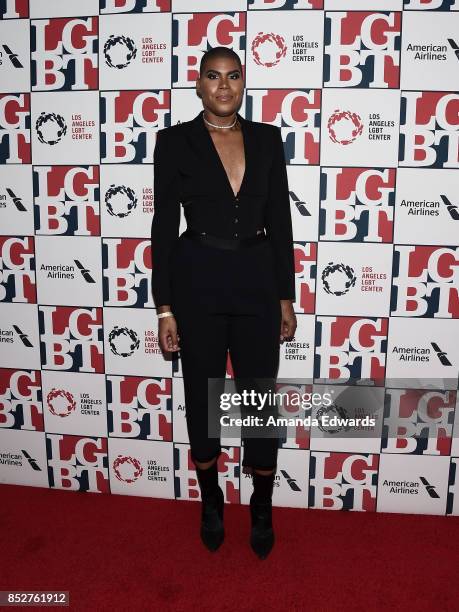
(119, 51)
(120, 200)
(123, 341)
(60, 403)
(332, 411)
(268, 49)
(344, 126)
(127, 469)
(337, 279)
(50, 127)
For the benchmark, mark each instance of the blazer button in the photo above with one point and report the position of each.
(235, 235)
(235, 220)
(237, 199)
(237, 205)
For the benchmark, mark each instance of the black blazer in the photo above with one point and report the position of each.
(188, 171)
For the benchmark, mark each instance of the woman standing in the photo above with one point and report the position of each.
(227, 283)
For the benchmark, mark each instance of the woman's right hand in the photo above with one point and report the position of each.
(168, 336)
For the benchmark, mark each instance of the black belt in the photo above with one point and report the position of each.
(224, 243)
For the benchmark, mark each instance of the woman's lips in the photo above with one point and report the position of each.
(224, 98)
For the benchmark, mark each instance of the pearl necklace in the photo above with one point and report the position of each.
(221, 127)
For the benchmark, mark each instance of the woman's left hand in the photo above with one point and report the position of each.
(288, 323)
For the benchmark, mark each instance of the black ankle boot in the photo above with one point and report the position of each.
(262, 533)
(213, 502)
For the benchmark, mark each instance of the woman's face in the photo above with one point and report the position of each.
(221, 86)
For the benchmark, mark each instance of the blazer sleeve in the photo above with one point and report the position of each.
(278, 220)
(166, 217)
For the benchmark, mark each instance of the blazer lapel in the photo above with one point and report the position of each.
(201, 141)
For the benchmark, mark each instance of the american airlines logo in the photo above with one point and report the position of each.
(451, 208)
(300, 205)
(24, 337)
(411, 487)
(84, 272)
(429, 488)
(17, 201)
(454, 47)
(441, 354)
(13, 57)
(290, 481)
(67, 271)
(32, 461)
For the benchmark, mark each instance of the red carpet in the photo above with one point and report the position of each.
(132, 553)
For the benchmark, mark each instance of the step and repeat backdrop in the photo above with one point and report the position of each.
(366, 95)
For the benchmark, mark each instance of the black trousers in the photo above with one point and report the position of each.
(225, 300)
